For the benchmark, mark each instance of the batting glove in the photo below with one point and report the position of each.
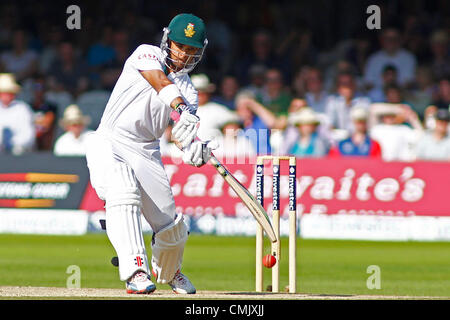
(198, 153)
(185, 130)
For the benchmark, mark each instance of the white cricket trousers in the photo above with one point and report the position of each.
(131, 180)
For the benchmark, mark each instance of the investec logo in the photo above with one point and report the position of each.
(259, 183)
(292, 190)
(275, 187)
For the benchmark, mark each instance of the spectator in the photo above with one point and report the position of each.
(45, 115)
(435, 145)
(102, 52)
(442, 100)
(218, 59)
(308, 143)
(421, 95)
(440, 62)
(73, 141)
(315, 95)
(339, 106)
(359, 143)
(20, 61)
(414, 36)
(68, 73)
(298, 85)
(298, 47)
(276, 123)
(256, 73)
(121, 44)
(266, 115)
(8, 20)
(228, 89)
(359, 51)
(257, 129)
(395, 94)
(389, 76)
(233, 145)
(332, 73)
(274, 96)
(212, 114)
(391, 53)
(50, 50)
(17, 131)
(296, 104)
(57, 95)
(397, 140)
(261, 53)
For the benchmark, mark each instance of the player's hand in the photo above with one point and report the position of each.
(185, 130)
(198, 153)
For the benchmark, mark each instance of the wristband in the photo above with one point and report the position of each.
(169, 93)
(180, 107)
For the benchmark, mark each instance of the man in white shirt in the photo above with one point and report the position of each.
(390, 54)
(73, 141)
(397, 139)
(435, 145)
(17, 131)
(339, 106)
(124, 159)
(20, 61)
(315, 95)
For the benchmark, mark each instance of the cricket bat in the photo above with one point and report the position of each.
(247, 198)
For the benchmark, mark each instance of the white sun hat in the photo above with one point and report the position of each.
(305, 115)
(359, 113)
(201, 83)
(73, 115)
(8, 83)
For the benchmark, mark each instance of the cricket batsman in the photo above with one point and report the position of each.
(125, 163)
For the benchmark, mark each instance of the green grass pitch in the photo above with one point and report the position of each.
(228, 264)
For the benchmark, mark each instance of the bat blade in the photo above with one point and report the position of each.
(247, 198)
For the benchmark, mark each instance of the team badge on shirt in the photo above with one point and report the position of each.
(189, 31)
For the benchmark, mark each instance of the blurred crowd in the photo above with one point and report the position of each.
(372, 93)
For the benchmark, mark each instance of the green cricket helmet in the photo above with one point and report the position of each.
(186, 29)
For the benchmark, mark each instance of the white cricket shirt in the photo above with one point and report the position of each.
(134, 110)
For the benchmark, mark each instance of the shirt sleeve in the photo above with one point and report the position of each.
(190, 95)
(147, 57)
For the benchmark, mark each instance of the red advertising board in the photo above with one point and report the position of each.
(331, 186)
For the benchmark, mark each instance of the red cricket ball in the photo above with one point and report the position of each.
(269, 261)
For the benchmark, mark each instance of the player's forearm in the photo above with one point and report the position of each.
(176, 102)
(166, 90)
